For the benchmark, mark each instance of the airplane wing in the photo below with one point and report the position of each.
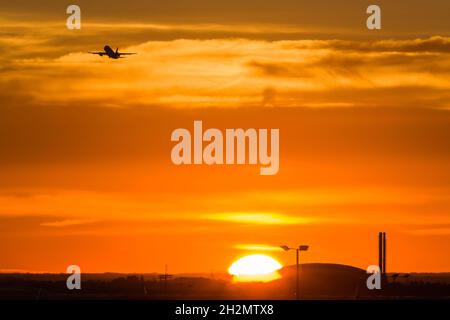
(99, 53)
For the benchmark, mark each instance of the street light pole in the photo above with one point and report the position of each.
(297, 251)
(297, 293)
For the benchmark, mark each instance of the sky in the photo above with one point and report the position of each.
(85, 171)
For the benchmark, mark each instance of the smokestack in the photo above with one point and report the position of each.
(384, 253)
(380, 251)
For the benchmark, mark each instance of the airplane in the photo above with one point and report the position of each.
(111, 53)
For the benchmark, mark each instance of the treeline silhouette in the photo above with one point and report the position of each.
(140, 287)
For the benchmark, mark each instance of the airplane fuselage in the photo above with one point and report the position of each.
(111, 54)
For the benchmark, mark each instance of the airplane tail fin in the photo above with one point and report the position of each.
(117, 50)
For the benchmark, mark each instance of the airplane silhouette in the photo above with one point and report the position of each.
(111, 53)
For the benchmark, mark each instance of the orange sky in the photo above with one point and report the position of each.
(85, 170)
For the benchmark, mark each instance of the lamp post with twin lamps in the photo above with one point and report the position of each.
(300, 248)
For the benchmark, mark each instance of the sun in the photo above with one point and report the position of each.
(255, 267)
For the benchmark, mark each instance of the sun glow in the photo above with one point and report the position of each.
(256, 267)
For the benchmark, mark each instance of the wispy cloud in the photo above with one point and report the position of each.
(68, 223)
(262, 218)
(257, 247)
(442, 230)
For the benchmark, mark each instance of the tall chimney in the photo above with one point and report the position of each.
(384, 253)
(380, 251)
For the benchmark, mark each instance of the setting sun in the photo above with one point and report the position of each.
(256, 267)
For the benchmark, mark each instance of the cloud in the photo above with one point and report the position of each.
(234, 72)
(257, 247)
(434, 44)
(258, 218)
(440, 230)
(68, 223)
